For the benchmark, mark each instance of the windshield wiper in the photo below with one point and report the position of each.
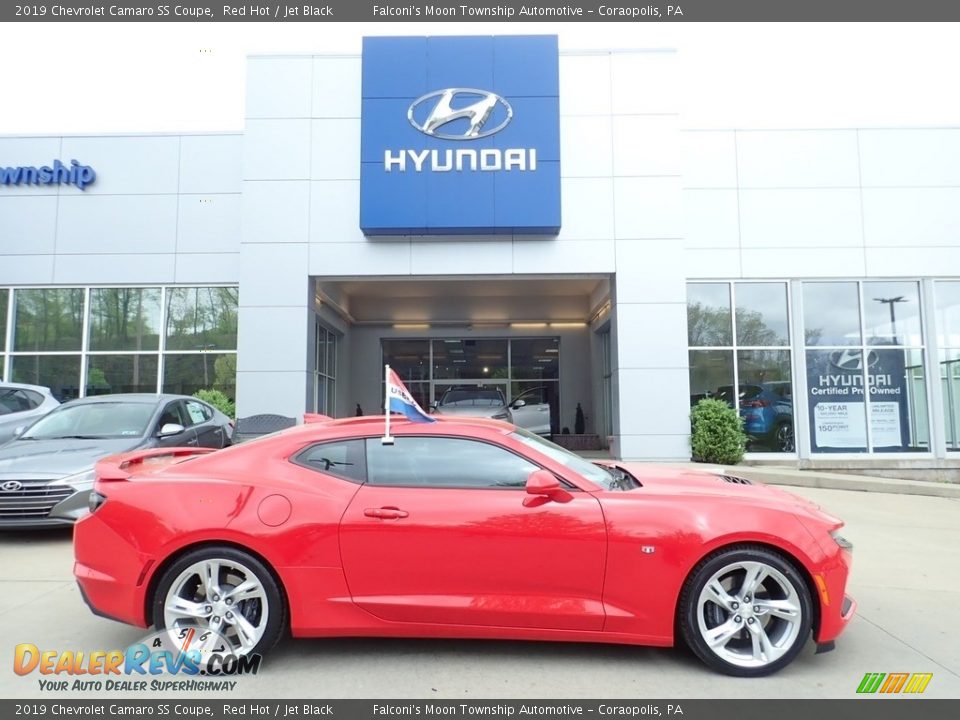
(76, 437)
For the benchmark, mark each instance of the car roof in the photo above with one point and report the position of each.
(363, 424)
(145, 398)
(24, 386)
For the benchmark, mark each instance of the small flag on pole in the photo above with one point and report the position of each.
(399, 400)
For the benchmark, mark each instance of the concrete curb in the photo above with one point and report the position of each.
(834, 481)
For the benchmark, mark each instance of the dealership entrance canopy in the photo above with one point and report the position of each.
(490, 215)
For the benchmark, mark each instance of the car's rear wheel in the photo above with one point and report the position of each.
(226, 590)
(784, 437)
(746, 611)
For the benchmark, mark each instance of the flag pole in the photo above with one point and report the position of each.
(386, 439)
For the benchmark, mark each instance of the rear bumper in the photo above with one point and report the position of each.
(110, 572)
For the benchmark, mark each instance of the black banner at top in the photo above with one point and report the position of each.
(481, 11)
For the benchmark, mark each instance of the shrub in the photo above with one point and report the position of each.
(220, 401)
(718, 435)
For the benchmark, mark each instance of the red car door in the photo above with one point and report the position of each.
(440, 534)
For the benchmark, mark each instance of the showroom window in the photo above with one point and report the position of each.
(948, 338)
(4, 309)
(200, 350)
(94, 341)
(325, 372)
(863, 345)
(47, 339)
(739, 351)
(525, 369)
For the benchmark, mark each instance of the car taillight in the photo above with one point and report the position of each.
(755, 403)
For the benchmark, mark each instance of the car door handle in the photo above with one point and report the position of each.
(386, 513)
(192, 442)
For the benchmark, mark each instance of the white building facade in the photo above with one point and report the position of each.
(810, 278)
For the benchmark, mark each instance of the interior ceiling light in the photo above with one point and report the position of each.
(411, 326)
(521, 325)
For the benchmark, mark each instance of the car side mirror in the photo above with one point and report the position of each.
(171, 429)
(543, 486)
(517, 404)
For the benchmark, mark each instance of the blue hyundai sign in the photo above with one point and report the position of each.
(460, 135)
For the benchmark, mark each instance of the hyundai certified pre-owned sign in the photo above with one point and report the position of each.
(460, 135)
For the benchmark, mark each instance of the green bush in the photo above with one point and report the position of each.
(220, 401)
(718, 435)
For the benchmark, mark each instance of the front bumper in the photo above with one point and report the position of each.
(42, 505)
(836, 607)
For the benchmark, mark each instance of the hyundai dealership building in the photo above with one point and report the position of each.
(488, 212)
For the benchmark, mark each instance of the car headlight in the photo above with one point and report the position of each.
(841, 540)
(80, 481)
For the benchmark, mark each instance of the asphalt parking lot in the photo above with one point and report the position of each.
(906, 580)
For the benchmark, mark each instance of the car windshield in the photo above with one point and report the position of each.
(597, 474)
(472, 398)
(93, 421)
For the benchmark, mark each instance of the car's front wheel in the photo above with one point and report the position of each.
(222, 589)
(746, 611)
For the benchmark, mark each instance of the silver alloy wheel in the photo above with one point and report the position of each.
(749, 614)
(223, 595)
(785, 437)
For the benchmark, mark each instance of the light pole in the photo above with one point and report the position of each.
(893, 316)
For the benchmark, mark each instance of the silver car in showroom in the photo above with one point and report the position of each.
(47, 472)
(488, 402)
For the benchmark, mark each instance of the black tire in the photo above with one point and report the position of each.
(276, 621)
(714, 616)
(783, 437)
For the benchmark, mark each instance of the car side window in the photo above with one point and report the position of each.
(533, 396)
(443, 462)
(9, 403)
(344, 458)
(15, 400)
(198, 412)
(174, 414)
(34, 399)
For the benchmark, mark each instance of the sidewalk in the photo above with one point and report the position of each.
(819, 479)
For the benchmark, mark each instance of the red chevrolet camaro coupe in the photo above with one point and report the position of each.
(463, 528)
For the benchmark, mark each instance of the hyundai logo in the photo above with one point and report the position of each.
(481, 107)
(853, 359)
(11, 486)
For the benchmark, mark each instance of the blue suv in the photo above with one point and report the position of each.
(767, 412)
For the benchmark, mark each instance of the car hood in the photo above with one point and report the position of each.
(58, 458)
(681, 481)
(471, 410)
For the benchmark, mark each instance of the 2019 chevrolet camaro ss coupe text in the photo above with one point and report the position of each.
(462, 528)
